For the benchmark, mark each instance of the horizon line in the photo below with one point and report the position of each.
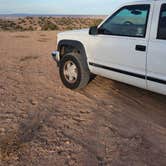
(52, 14)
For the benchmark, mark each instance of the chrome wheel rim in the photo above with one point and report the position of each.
(70, 72)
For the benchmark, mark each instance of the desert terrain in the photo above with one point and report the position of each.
(48, 23)
(43, 123)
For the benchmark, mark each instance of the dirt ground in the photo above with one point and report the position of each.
(43, 123)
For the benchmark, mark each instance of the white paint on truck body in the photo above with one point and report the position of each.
(123, 58)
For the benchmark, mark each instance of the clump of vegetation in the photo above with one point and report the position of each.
(49, 26)
(97, 22)
(29, 18)
(30, 28)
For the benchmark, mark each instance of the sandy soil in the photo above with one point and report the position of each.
(43, 123)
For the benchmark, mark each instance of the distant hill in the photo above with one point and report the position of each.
(49, 15)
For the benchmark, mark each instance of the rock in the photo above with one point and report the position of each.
(78, 119)
(85, 111)
(33, 102)
(2, 104)
(2, 130)
(50, 98)
(67, 143)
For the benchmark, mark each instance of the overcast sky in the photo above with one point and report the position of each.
(58, 6)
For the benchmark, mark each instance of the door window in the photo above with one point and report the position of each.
(129, 21)
(162, 23)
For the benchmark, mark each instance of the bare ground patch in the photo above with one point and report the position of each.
(43, 123)
(26, 58)
(21, 36)
(43, 40)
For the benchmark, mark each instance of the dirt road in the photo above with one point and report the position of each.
(43, 123)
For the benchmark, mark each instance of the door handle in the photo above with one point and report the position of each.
(140, 48)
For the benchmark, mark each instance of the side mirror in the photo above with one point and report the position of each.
(93, 30)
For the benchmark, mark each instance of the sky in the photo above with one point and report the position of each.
(99, 7)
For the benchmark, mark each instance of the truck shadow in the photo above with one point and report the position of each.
(128, 118)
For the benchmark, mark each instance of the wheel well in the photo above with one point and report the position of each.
(64, 49)
(67, 46)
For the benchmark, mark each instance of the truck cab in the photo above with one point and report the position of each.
(128, 46)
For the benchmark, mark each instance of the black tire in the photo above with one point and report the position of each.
(83, 73)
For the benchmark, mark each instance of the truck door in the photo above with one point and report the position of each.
(121, 44)
(156, 59)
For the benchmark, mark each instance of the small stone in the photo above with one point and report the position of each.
(2, 104)
(33, 102)
(111, 106)
(20, 101)
(67, 142)
(68, 156)
(84, 112)
(50, 98)
(78, 119)
(2, 130)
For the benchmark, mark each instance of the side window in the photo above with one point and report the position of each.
(162, 23)
(129, 21)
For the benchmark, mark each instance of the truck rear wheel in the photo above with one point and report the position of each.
(74, 71)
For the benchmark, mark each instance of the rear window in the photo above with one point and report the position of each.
(162, 23)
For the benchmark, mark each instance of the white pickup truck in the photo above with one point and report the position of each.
(129, 46)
